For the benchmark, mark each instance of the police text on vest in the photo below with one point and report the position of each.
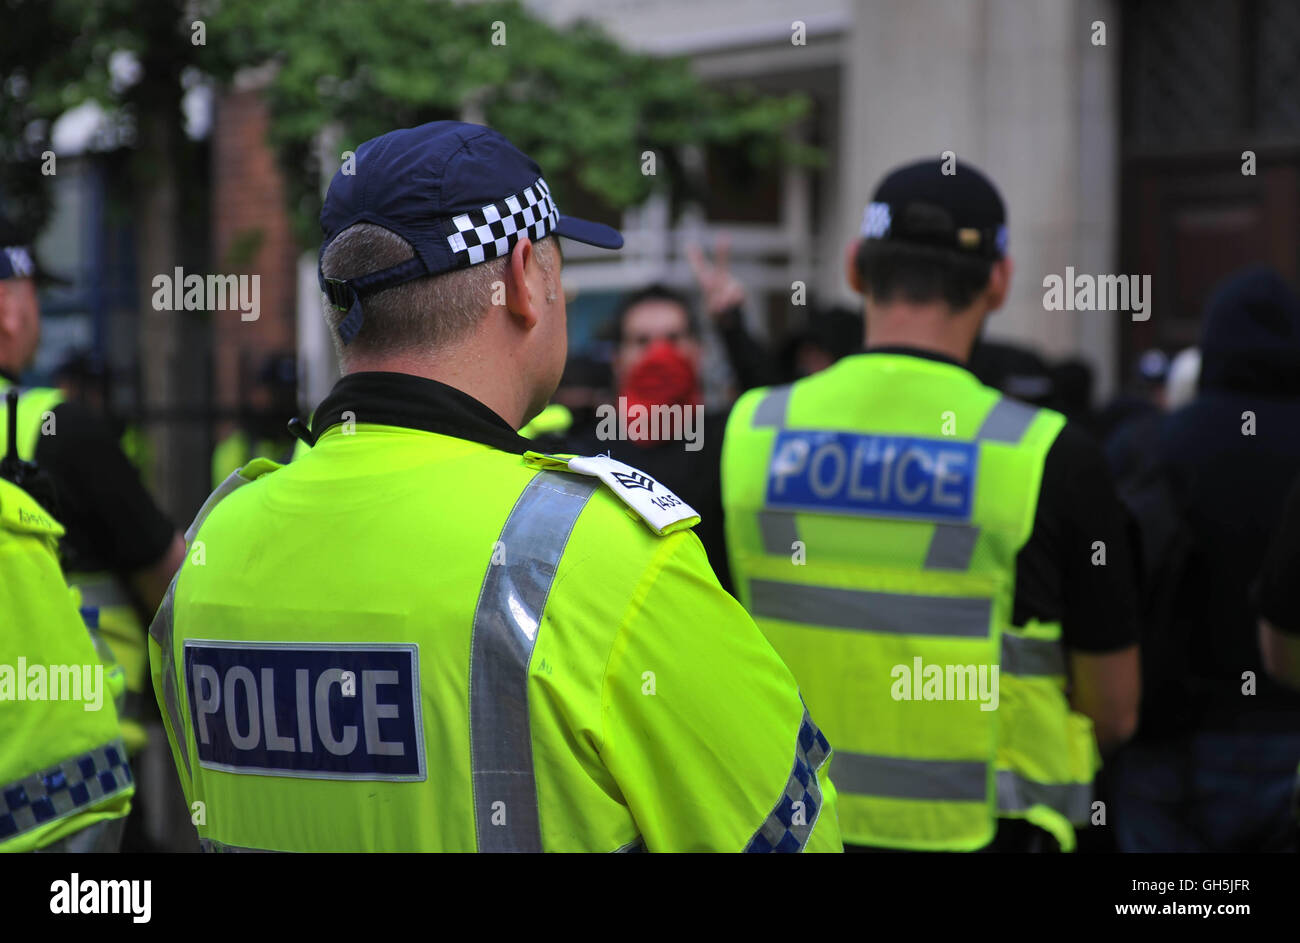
(313, 710)
(876, 475)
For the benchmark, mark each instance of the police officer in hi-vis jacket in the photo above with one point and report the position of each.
(419, 635)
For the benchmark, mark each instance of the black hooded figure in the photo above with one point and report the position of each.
(1214, 765)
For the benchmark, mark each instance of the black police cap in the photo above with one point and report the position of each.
(920, 204)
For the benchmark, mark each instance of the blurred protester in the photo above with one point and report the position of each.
(120, 550)
(84, 379)
(830, 335)
(724, 300)
(1072, 392)
(1184, 374)
(1142, 398)
(1213, 766)
(1130, 425)
(1014, 370)
(831, 332)
(656, 372)
(656, 365)
(1277, 597)
(262, 431)
(893, 511)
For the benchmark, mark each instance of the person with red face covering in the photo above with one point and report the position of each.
(656, 371)
(656, 366)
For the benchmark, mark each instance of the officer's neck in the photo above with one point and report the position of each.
(930, 327)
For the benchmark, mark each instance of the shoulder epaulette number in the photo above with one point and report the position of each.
(662, 511)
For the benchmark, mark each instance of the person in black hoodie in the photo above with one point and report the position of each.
(1213, 765)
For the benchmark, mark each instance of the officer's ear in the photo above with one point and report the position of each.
(519, 293)
(851, 266)
(999, 283)
(8, 310)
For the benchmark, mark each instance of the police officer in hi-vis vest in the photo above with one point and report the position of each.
(945, 570)
(64, 780)
(421, 636)
(119, 550)
(65, 784)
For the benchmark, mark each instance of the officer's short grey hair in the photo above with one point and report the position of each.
(420, 315)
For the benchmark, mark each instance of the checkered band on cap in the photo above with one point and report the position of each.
(491, 232)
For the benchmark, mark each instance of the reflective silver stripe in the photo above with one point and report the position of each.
(961, 616)
(771, 409)
(895, 777)
(160, 630)
(951, 547)
(79, 782)
(635, 846)
(1017, 794)
(233, 481)
(778, 531)
(213, 846)
(789, 825)
(506, 621)
(1026, 657)
(1006, 422)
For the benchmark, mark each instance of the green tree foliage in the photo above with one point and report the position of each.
(54, 55)
(582, 106)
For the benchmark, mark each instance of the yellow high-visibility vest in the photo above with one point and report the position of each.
(874, 512)
(407, 641)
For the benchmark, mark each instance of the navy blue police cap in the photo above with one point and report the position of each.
(919, 204)
(459, 193)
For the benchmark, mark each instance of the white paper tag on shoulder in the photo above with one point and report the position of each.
(657, 506)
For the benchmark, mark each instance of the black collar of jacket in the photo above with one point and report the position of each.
(400, 399)
(921, 352)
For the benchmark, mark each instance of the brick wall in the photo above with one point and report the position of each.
(248, 208)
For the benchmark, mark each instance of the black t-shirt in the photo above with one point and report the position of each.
(1278, 591)
(112, 523)
(1079, 519)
